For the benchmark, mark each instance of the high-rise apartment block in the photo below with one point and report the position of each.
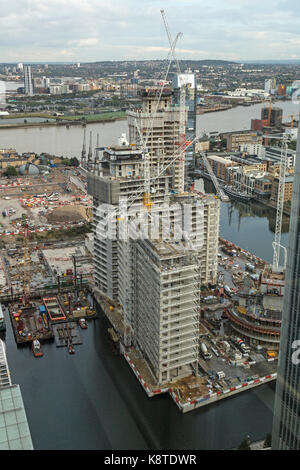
(152, 254)
(119, 175)
(275, 116)
(165, 320)
(28, 85)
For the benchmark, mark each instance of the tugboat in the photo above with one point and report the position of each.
(36, 348)
(82, 323)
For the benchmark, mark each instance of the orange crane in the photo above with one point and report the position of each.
(292, 116)
(269, 114)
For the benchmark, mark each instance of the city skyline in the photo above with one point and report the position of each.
(97, 30)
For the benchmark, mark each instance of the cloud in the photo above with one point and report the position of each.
(90, 30)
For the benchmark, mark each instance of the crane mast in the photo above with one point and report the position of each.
(26, 265)
(182, 110)
(280, 202)
(219, 190)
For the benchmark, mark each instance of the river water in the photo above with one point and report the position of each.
(92, 400)
(67, 141)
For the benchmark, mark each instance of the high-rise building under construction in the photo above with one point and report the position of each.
(153, 280)
(157, 126)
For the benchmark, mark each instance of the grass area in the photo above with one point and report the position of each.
(28, 115)
(95, 117)
(86, 117)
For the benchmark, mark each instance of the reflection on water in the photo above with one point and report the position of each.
(250, 226)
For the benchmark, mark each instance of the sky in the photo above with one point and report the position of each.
(96, 30)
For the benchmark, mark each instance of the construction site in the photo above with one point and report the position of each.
(173, 301)
(193, 315)
(228, 361)
(51, 202)
(46, 290)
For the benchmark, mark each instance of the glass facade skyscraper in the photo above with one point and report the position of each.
(286, 423)
(191, 102)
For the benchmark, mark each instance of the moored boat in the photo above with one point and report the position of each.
(82, 323)
(36, 348)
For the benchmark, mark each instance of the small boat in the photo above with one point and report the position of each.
(71, 349)
(36, 348)
(82, 323)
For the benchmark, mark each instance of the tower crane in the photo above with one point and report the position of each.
(280, 202)
(219, 190)
(182, 106)
(144, 140)
(182, 124)
(26, 266)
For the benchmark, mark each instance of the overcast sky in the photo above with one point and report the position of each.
(90, 30)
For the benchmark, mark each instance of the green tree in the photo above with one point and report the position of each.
(244, 445)
(10, 172)
(268, 440)
(74, 161)
(293, 145)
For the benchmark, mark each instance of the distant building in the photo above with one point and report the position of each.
(253, 149)
(28, 85)
(235, 139)
(288, 188)
(220, 165)
(268, 86)
(203, 145)
(189, 80)
(258, 124)
(275, 117)
(273, 154)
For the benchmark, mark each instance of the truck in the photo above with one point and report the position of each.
(241, 345)
(226, 346)
(204, 351)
